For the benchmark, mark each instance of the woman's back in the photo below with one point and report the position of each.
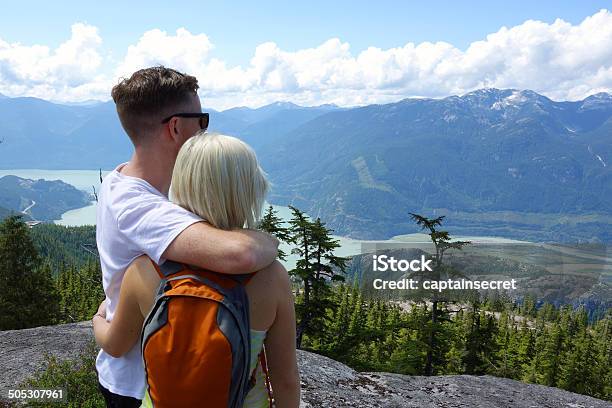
(272, 321)
(265, 291)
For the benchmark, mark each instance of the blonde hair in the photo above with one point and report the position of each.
(218, 178)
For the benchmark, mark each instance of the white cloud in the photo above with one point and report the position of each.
(183, 51)
(39, 71)
(559, 59)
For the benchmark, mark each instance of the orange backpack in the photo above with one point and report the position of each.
(195, 341)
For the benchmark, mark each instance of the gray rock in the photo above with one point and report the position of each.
(328, 383)
(22, 351)
(325, 382)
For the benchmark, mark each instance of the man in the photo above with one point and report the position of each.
(159, 109)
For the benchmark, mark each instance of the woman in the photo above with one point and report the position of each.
(217, 177)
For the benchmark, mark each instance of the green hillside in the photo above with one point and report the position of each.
(41, 200)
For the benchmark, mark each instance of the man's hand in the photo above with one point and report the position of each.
(232, 252)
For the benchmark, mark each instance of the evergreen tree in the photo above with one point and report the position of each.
(553, 346)
(317, 267)
(529, 306)
(531, 371)
(341, 317)
(357, 316)
(27, 293)
(80, 292)
(63, 246)
(272, 224)
(442, 242)
(576, 372)
(327, 266)
(454, 361)
(602, 374)
(301, 236)
(480, 344)
(526, 346)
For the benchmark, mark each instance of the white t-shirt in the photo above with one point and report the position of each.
(133, 219)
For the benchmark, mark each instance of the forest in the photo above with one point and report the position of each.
(49, 274)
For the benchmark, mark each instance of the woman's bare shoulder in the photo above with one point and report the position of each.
(274, 272)
(271, 282)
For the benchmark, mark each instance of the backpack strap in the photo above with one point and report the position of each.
(264, 367)
(169, 268)
(166, 272)
(243, 278)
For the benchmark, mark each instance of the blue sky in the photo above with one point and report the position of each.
(238, 28)
(234, 30)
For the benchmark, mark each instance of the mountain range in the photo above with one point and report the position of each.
(498, 162)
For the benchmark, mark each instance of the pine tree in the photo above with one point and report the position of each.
(272, 224)
(553, 346)
(357, 317)
(526, 349)
(454, 361)
(317, 267)
(480, 344)
(27, 292)
(339, 327)
(80, 291)
(602, 373)
(529, 306)
(326, 264)
(409, 356)
(301, 236)
(576, 374)
(442, 242)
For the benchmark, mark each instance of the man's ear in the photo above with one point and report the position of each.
(173, 128)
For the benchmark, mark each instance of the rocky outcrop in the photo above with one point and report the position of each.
(325, 382)
(22, 351)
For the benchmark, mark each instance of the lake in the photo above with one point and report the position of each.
(87, 180)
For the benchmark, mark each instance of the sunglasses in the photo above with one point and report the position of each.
(203, 116)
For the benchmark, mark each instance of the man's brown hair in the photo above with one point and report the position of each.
(149, 95)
